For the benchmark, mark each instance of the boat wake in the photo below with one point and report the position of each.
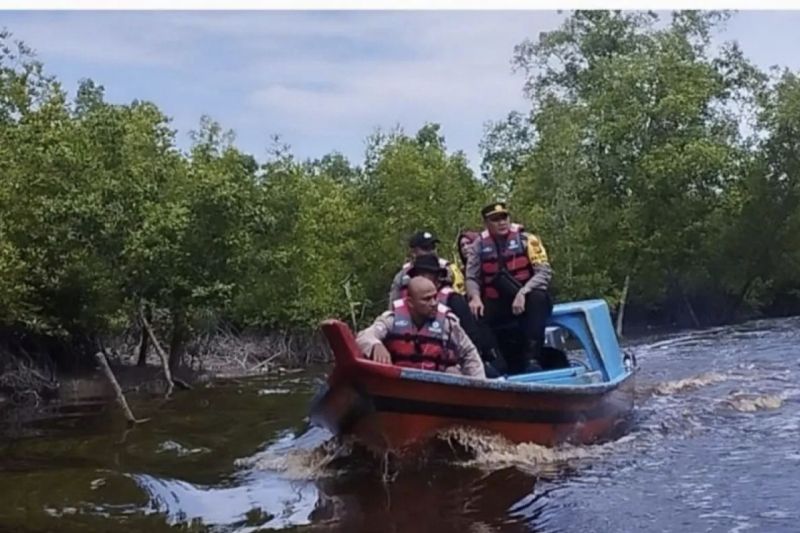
(311, 455)
(691, 383)
(663, 408)
(461, 447)
(493, 452)
(297, 464)
(748, 403)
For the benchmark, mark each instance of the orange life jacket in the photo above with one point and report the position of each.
(514, 255)
(426, 348)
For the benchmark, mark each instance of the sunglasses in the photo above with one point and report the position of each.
(497, 218)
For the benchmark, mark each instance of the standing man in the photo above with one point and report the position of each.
(424, 243)
(508, 277)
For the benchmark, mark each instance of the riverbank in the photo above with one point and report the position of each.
(32, 382)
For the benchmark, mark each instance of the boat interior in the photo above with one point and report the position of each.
(580, 347)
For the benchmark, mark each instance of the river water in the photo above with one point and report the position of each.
(715, 446)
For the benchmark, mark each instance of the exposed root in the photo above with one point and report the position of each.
(132, 420)
(224, 352)
(25, 381)
(160, 351)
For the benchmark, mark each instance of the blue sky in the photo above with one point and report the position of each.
(324, 81)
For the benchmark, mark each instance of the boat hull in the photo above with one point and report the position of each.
(392, 408)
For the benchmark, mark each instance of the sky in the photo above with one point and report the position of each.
(324, 81)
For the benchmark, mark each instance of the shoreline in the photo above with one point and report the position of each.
(222, 356)
(32, 383)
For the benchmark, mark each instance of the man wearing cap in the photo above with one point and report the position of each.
(508, 276)
(424, 243)
(430, 266)
(419, 332)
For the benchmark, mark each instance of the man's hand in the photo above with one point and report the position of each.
(476, 306)
(518, 305)
(381, 355)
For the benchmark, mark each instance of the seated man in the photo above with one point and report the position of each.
(508, 275)
(463, 241)
(429, 267)
(424, 243)
(419, 332)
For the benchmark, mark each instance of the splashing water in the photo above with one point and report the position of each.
(751, 404)
(691, 383)
(306, 457)
(493, 452)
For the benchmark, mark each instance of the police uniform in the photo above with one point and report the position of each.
(524, 257)
(468, 361)
(530, 245)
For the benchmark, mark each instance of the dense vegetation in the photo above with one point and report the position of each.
(648, 155)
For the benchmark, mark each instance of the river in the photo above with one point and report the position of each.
(715, 446)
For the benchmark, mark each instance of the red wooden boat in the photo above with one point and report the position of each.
(392, 408)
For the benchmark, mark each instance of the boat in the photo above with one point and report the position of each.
(397, 409)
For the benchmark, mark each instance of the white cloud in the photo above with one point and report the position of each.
(107, 38)
(314, 77)
(457, 73)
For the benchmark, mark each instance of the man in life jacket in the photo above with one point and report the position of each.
(429, 267)
(508, 276)
(419, 332)
(424, 243)
(463, 241)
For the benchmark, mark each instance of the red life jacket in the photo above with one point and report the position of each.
(444, 293)
(514, 255)
(426, 348)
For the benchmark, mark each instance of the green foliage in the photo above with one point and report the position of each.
(414, 185)
(630, 162)
(336, 226)
(638, 166)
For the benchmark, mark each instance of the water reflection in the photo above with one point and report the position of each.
(443, 499)
(315, 481)
(256, 500)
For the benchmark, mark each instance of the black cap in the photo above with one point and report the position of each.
(426, 263)
(495, 208)
(423, 239)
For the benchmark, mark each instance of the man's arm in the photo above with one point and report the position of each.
(469, 360)
(394, 290)
(474, 269)
(542, 272)
(374, 334)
